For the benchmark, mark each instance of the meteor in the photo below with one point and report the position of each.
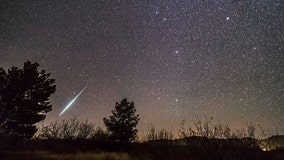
(72, 102)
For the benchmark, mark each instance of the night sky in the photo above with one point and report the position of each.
(176, 59)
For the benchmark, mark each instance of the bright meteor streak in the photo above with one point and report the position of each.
(72, 102)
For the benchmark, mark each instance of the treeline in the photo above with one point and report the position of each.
(200, 133)
(201, 141)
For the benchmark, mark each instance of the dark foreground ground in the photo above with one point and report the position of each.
(42, 155)
(197, 149)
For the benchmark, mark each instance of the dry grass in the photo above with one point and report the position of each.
(42, 155)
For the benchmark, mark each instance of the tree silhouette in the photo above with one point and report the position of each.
(122, 124)
(24, 99)
(3, 85)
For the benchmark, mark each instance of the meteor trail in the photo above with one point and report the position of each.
(72, 102)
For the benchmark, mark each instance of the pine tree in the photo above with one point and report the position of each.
(24, 99)
(123, 121)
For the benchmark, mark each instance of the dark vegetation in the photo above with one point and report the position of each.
(123, 121)
(81, 140)
(24, 101)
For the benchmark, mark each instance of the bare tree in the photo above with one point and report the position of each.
(155, 135)
(67, 129)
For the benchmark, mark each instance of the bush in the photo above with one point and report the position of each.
(155, 135)
(70, 129)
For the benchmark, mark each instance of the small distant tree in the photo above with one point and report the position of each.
(123, 121)
(24, 99)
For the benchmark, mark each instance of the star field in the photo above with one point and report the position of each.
(176, 59)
